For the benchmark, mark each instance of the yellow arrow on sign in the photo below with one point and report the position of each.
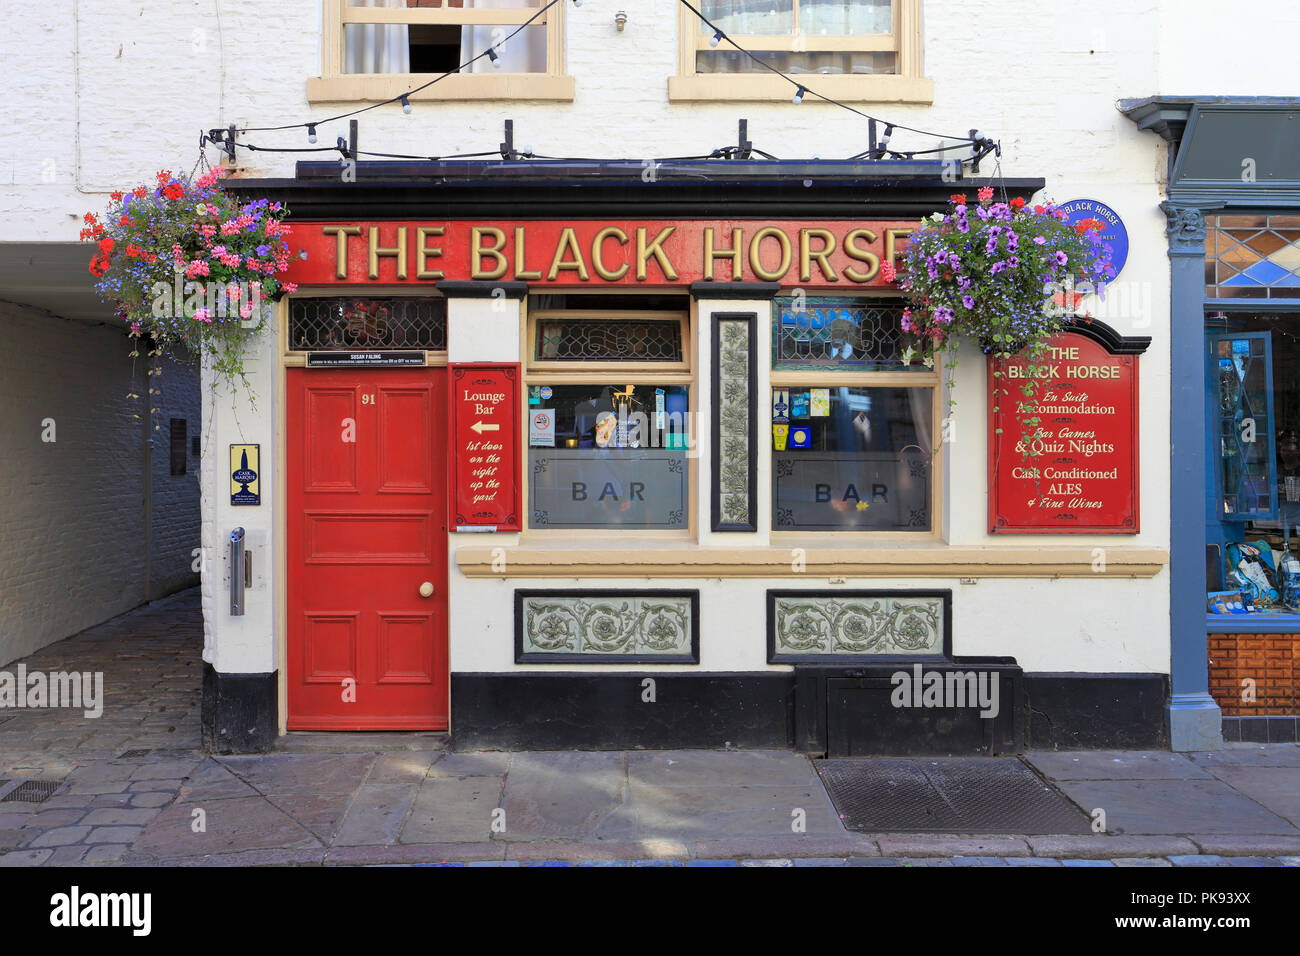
(481, 428)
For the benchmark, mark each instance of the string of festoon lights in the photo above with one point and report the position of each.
(878, 144)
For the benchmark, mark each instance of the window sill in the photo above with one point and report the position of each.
(1252, 623)
(905, 561)
(378, 87)
(853, 88)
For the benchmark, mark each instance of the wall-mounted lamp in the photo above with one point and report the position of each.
(620, 20)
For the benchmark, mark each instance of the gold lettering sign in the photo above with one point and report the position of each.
(341, 233)
(423, 250)
(398, 252)
(756, 263)
(478, 251)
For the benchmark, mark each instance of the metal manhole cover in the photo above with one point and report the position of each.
(948, 795)
(32, 791)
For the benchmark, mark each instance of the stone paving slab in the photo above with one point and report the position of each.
(561, 795)
(234, 823)
(747, 811)
(300, 773)
(706, 768)
(376, 814)
(1115, 765)
(1257, 755)
(453, 810)
(1174, 807)
(1277, 788)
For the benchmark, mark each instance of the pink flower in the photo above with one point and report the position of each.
(985, 193)
(201, 314)
(291, 287)
(887, 272)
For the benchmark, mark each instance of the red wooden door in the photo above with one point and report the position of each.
(367, 531)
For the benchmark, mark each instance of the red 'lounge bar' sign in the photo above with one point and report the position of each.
(484, 447)
(1084, 479)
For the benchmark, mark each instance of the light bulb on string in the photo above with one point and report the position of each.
(494, 57)
(311, 132)
(798, 96)
(716, 39)
(406, 104)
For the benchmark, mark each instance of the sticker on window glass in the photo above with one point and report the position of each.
(800, 437)
(780, 406)
(799, 404)
(779, 435)
(819, 402)
(545, 392)
(659, 408)
(541, 428)
(605, 426)
(1241, 346)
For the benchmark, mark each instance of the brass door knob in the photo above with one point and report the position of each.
(426, 589)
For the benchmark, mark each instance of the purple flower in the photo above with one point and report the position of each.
(996, 268)
(968, 301)
(941, 256)
(1061, 258)
(263, 251)
(963, 225)
(1039, 240)
(1013, 262)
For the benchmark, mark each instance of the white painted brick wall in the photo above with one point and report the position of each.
(72, 543)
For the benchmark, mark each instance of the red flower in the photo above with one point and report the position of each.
(98, 264)
(986, 193)
(163, 176)
(958, 198)
(139, 192)
(106, 244)
(1017, 203)
(132, 250)
(1040, 209)
(887, 272)
(115, 195)
(125, 221)
(173, 191)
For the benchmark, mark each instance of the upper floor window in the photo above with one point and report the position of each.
(858, 49)
(376, 49)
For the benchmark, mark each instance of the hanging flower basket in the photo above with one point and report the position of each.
(1002, 275)
(188, 265)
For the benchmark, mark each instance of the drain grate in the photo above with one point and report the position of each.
(947, 795)
(32, 791)
(132, 754)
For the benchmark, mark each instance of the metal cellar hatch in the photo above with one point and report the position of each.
(32, 791)
(947, 795)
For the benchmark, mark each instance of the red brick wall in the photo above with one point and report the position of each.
(1272, 661)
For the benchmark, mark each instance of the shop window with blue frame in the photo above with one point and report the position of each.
(1253, 434)
(852, 444)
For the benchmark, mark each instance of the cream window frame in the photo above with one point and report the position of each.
(931, 378)
(333, 85)
(905, 86)
(597, 372)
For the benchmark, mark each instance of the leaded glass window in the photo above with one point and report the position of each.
(1252, 257)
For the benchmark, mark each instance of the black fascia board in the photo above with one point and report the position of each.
(740, 190)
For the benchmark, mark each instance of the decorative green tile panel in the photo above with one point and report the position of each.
(604, 626)
(823, 625)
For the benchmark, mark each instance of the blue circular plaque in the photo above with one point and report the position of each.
(1112, 232)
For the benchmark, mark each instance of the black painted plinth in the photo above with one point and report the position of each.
(239, 713)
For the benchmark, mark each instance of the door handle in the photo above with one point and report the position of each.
(426, 589)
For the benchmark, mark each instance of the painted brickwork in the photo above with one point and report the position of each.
(72, 544)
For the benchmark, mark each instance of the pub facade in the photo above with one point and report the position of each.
(652, 467)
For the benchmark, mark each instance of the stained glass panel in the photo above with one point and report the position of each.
(1255, 257)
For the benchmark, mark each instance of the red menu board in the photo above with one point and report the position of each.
(485, 447)
(1084, 479)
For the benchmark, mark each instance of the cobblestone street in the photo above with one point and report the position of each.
(133, 787)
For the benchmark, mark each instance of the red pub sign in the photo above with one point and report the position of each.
(484, 446)
(583, 252)
(1084, 477)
